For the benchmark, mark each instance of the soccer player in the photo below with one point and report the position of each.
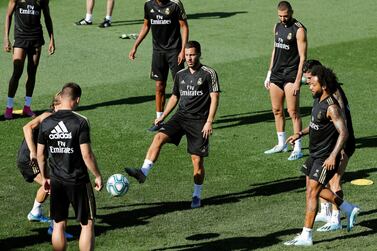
(27, 161)
(332, 217)
(196, 91)
(284, 75)
(166, 18)
(28, 40)
(88, 19)
(66, 138)
(327, 135)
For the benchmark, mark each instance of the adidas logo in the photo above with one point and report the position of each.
(60, 132)
(183, 82)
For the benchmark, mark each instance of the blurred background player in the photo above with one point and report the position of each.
(330, 213)
(65, 136)
(88, 20)
(28, 40)
(166, 18)
(284, 76)
(196, 91)
(327, 135)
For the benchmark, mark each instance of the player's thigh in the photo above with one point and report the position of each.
(34, 55)
(59, 201)
(173, 129)
(277, 98)
(293, 101)
(172, 58)
(196, 143)
(320, 173)
(83, 201)
(160, 66)
(19, 54)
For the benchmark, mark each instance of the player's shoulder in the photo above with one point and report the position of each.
(331, 100)
(299, 25)
(209, 70)
(80, 116)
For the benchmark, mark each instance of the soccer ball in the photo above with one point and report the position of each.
(117, 185)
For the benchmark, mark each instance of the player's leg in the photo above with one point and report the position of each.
(36, 213)
(335, 186)
(19, 55)
(59, 242)
(293, 102)
(277, 102)
(109, 12)
(199, 173)
(88, 20)
(159, 73)
(324, 214)
(87, 237)
(151, 157)
(33, 56)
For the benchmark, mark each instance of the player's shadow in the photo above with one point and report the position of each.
(240, 119)
(126, 22)
(214, 15)
(366, 142)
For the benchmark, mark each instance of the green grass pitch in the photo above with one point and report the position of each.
(251, 201)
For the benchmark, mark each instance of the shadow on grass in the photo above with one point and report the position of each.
(253, 117)
(366, 142)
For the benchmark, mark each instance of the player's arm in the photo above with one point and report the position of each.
(335, 114)
(340, 100)
(91, 163)
(302, 46)
(291, 140)
(267, 80)
(207, 129)
(49, 27)
(28, 133)
(41, 158)
(142, 34)
(184, 35)
(8, 21)
(173, 101)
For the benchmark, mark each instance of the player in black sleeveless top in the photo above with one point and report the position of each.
(28, 40)
(332, 217)
(65, 136)
(196, 92)
(284, 76)
(168, 21)
(328, 133)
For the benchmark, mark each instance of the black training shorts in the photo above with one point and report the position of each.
(28, 169)
(29, 45)
(178, 126)
(314, 170)
(162, 61)
(79, 195)
(281, 79)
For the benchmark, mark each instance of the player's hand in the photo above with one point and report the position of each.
(7, 45)
(181, 57)
(296, 89)
(98, 183)
(207, 129)
(132, 53)
(51, 48)
(159, 120)
(46, 185)
(329, 163)
(291, 140)
(267, 82)
(33, 156)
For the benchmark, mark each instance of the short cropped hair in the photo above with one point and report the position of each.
(285, 5)
(71, 90)
(194, 44)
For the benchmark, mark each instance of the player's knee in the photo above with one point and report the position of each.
(277, 112)
(293, 113)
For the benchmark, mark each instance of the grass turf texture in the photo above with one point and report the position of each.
(251, 201)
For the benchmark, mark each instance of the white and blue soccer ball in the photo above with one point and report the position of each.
(117, 185)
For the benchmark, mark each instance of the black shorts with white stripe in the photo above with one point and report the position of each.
(315, 171)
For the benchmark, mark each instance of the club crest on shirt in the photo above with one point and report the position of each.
(319, 115)
(200, 81)
(167, 11)
(289, 37)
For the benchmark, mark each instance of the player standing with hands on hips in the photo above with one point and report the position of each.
(166, 18)
(284, 76)
(66, 138)
(28, 41)
(196, 92)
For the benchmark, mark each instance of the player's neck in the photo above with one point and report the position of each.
(194, 68)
